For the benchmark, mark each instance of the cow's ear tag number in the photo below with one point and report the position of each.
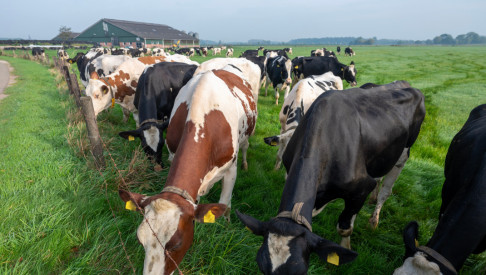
(333, 258)
(129, 205)
(209, 217)
(131, 138)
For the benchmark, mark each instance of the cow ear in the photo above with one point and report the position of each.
(104, 89)
(255, 226)
(330, 252)
(133, 201)
(131, 135)
(208, 213)
(94, 75)
(410, 236)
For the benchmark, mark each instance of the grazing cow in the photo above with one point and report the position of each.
(306, 66)
(349, 51)
(213, 117)
(119, 87)
(82, 60)
(296, 105)
(216, 51)
(158, 52)
(62, 54)
(156, 91)
(204, 51)
(249, 53)
(278, 72)
(229, 52)
(345, 140)
(462, 227)
(38, 52)
(338, 50)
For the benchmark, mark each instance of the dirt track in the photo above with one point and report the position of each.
(5, 78)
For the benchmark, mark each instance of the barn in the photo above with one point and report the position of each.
(113, 32)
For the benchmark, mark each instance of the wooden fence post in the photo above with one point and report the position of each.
(75, 87)
(93, 132)
(67, 77)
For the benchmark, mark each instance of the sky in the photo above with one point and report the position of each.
(240, 21)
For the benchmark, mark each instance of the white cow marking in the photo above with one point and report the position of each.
(418, 265)
(152, 137)
(278, 247)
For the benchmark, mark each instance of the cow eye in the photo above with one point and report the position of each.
(104, 89)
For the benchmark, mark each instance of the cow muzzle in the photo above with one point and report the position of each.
(353, 83)
(272, 141)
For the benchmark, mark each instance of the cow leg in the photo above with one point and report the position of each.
(227, 189)
(387, 186)
(126, 114)
(352, 205)
(277, 95)
(244, 148)
(135, 117)
(374, 193)
(266, 87)
(287, 90)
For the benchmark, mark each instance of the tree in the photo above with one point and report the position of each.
(64, 33)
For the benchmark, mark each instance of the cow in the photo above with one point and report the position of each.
(135, 53)
(120, 86)
(158, 52)
(349, 51)
(462, 227)
(38, 52)
(305, 66)
(274, 53)
(289, 50)
(213, 117)
(296, 105)
(260, 61)
(204, 51)
(156, 91)
(338, 50)
(278, 72)
(229, 52)
(62, 54)
(82, 60)
(345, 140)
(216, 51)
(249, 53)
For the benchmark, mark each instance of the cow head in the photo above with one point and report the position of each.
(167, 230)
(287, 246)
(282, 71)
(349, 74)
(100, 93)
(151, 138)
(297, 68)
(417, 260)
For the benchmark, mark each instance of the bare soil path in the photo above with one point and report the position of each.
(6, 79)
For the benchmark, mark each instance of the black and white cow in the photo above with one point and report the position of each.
(156, 91)
(275, 53)
(338, 50)
(82, 61)
(349, 51)
(249, 53)
(38, 52)
(303, 67)
(278, 72)
(462, 224)
(345, 140)
(288, 50)
(62, 54)
(296, 105)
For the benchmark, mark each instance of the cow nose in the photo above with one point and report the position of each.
(288, 81)
(353, 83)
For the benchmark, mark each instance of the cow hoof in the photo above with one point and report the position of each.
(277, 166)
(373, 222)
(346, 242)
(227, 214)
(158, 168)
(244, 166)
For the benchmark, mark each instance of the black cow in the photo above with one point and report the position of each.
(249, 53)
(462, 224)
(278, 72)
(345, 140)
(82, 60)
(338, 50)
(349, 51)
(303, 67)
(134, 52)
(156, 91)
(38, 52)
(260, 61)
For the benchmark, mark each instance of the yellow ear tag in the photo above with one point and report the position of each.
(342, 69)
(333, 258)
(278, 66)
(112, 102)
(273, 143)
(296, 67)
(209, 217)
(130, 206)
(131, 138)
(416, 243)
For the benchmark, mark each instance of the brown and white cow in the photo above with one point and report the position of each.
(216, 51)
(213, 117)
(120, 86)
(296, 105)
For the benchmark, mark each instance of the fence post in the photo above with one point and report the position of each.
(67, 77)
(75, 87)
(93, 132)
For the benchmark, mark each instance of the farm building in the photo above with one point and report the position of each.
(112, 32)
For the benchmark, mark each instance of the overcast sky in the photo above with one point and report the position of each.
(239, 21)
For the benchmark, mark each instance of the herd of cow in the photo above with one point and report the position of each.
(334, 143)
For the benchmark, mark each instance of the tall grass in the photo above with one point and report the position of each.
(55, 207)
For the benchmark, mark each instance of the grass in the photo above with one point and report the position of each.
(56, 209)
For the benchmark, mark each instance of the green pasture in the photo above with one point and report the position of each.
(59, 215)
